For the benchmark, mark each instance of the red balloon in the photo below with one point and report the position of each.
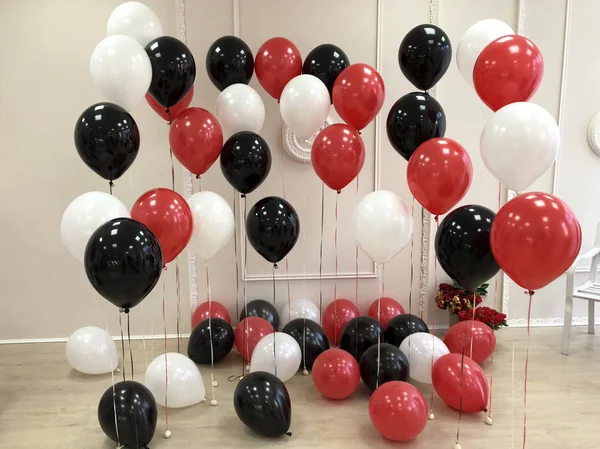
(389, 309)
(358, 95)
(278, 61)
(439, 174)
(398, 411)
(338, 155)
(168, 216)
(508, 70)
(174, 111)
(335, 317)
(462, 334)
(249, 332)
(211, 309)
(336, 374)
(196, 139)
(535, 238)
(450, 384)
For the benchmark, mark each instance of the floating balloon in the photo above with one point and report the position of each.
(174, 111)
(211, 309)
(311, 339)
(384, 309)
(239, 108)
(402, 326)
(248, 333)
(305, 105)
(360, 334)
(245, 161)
(262, 309)
(199, 345)
(335, 316)
(336, 374)
(278, 354)
(465, 335)
(91, 350)
(214, 224)
(422, 350)
(229, 61)
(277, 61)
(136, 20)
(382, 364)
(299, 308)
(326, 62)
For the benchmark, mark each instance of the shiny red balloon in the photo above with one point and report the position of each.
(450, 384)
(338, 155)
(212, 309)
(468, 332)
(389, 309)
(508, 70)
(278, 61)
(168, 216)
(196, 138)
(174, 111)
(535, 238)
(249, 332)
(358, 95)
(336, 374)
(439, 174)
(398, 411)
(336, 316)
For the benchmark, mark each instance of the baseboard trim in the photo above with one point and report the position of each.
(18, 341)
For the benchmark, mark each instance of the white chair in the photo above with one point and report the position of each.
(590, 291)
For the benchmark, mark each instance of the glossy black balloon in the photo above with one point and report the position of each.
(273, 228)
(326, 62)
(229, 61)
(107, 139)
(123, 261)
(173, 70)
(402, 326)
(310, 336)
(262, 309)
(199, 349)
(462, 246)
(136, 414)
(263, 403)
(360, 334)
(424, 55)
(245, 161)
(393, 365)
(413, 119)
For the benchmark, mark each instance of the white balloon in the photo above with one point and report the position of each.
(289, 355)
(213, 224)
(91, 350)
(300, 308)
(121, 70)
(519, 143)
(382, 225)
(185, 384)
(239, 108)
(422, 350)
(475, 39)
(84, 215)
(136, 20)
(304, 105)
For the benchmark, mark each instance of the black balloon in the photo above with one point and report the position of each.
(107, 139)
(402, 326)
(311, 338)
(413, 119)
(245, 161)
(360, 334)
(229, 61)
(123, 261)
(199, 349)
(326, 62)
(273, 228)
(262, 309)
(393, 365)
(424, 55)
(136, 414)
(263, 403)
(462, 246)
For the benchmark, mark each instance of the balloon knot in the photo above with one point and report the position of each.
(243, 195)
(339, 191)
(359, 132)
(529, 292)
(124, 310)
(275, 266)
(197, 176)
(111, 184)
(485, 410)
(165, 267)
(437, 219)
(289, 434)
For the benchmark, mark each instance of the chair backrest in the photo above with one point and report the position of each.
(595, 259)
(597, 239)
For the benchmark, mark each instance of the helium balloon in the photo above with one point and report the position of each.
(335, 316)
(277, 353)
(136, 20)
(360, 334)
(299, 308)
(262, 309)
(229, 61)
(384, 309)
(471, 334)
(422, 350)
(170, 114)
(413, 119)
(402, 326)
(213, 309)
(103, 146)
(239, 108)
(245, 161)
(277, 61)
(248, 333)
(214, 224)
(91, 350)
(393, 365)
(305, 105)
(462, 246)
(336, 374)
(310, 337)
(326, 62)
(199, 345)
(263, 404)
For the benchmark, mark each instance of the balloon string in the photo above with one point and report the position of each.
(412, 245)
(462, 368)
(244, 267)
(495, 305)
(304, 213)
(237, 264)
(112, 376)
(164, 317)
(110, 187)
(129, 343)
(178, 289)
(289, 296)
(380, 294)
(274, 333)
(435, 281)
(335, 245)
(356, 260)
(512, 396)
(122, 344)
(473, 323)
(212, 349)
(144, 334)
(321, 255)
(530, 293)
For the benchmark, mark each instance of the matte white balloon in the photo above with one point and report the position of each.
(289, 356)
(300, 308)
(305, 105)
(239, 108)
(121, 70)
(213, 224)
(519, 143)
(185, 384)
(422, 350)
(475, 39)
(382, 225)
(92, 350)
(84, 215)
(136, 20)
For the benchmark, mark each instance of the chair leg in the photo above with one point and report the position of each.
(591, 317)
(566, 340)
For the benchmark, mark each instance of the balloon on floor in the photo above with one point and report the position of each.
(185, 384)
(384, 309)
(360, 334)
(261, 309)
(336, 374)
(299, 308)
(214, 309)
(91, 350)
(277, 353)
(248, 333)
(382, 364)
(200, 349)
(311, 339)
(422, 351)
(335, 316)
(471, 335)
(402, 326)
